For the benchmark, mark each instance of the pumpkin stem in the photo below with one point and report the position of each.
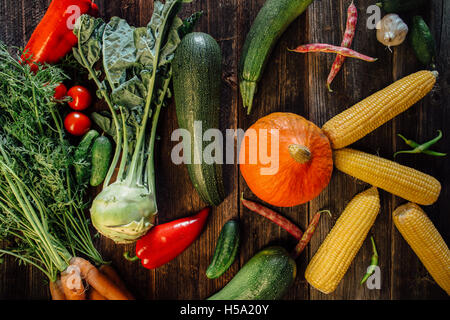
(300, 153)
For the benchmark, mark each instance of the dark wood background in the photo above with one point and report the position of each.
(294, 83)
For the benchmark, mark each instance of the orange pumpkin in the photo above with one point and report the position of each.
(303, 154)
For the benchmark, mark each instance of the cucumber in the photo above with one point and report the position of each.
(197, 80)
(82, 157)
(101, 159)
(270, 23)
(226, 250)
(395, 6)
(422, 42)
(267, 276)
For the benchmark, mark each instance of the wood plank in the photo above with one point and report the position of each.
(225, 35)
(291, 83)
(184, 278)
(410, 279)
(140, 281)
(357, 80)
(280, 90)
(18, 21)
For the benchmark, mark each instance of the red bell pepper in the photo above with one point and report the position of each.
(165, 242)
(53, 38)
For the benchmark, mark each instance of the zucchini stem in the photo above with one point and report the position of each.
(248, 90)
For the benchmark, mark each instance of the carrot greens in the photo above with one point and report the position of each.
(41, 206)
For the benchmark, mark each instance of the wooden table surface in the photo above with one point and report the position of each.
(294, 83)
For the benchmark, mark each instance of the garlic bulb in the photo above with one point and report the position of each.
(391, 30)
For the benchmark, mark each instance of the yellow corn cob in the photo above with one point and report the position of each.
(425, 240)
(331, 261)
(395, 178)
(367, 115)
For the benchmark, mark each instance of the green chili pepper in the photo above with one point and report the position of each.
(373, 262)
(422, 148)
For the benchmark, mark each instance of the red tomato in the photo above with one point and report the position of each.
(81, 98)
(60, 92)
(77, 123)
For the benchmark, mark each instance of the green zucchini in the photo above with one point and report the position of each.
(101, 159)
(226, 250)
(395, 6)
(270, 23)
(422, 42)
(267, 276)
(197, 80)
(82, 157)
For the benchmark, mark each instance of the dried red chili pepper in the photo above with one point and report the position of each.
(274, 217)
(165, 242)
(53, 38)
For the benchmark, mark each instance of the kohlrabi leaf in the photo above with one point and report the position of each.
(173, 40)
(145, 42)
(119, 51)
(105, 122)
(131, 81)
(130, 93)
(89, 31)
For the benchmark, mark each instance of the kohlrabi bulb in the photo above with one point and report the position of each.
(123, 213)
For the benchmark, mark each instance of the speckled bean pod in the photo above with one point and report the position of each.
(352, 19)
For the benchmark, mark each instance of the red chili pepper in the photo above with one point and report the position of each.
(303, 243)
(165, 242)
(274, 217)
(53, 38)
(352, 19)
(325, 47)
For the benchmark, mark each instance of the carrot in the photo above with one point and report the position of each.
(72, 284)
(95, 295)
(274, 217)
(352, 19)
(112, 274)
(308, 234)
(324, 47)
(56, 290)
(98, 280)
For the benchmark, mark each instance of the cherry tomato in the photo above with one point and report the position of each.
(60, 92)
(81, 98)
(77, 123)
